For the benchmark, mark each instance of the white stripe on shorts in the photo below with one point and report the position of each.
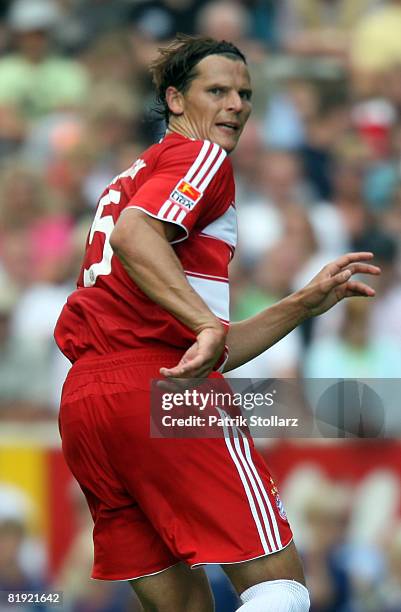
(246, 468)
(272, 542)
(251, 501)
(263, 490)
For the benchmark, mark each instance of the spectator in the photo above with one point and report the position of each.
(326, 516)
(376, 46)
(229, 21)
(348, 184)
(16, 518)
(320, 27)
(35, 232)
(355, 353)
(384, 322)
(390, 588)
(162, 19)
(267, 283)
(31, 78)
(279, 184)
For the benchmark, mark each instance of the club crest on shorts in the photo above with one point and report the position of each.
(186, 195)
(280, 507)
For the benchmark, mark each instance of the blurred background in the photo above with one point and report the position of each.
(317, 174)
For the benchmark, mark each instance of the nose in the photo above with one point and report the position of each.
(234, 102)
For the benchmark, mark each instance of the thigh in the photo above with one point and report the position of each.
(178, 588)
(283, 565)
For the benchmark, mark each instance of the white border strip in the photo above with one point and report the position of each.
(136, 577)
(200, 563)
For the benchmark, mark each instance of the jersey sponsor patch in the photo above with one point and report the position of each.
(186, 195)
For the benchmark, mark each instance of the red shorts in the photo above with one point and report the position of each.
(156, 502)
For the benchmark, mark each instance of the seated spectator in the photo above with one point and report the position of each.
(163, 19)
(231, 21)
(348, 174)
(269, 281)
(355, 353)
(278, 184)
(25, 358)
(31, 77)
(16, 517)
(35, 233)
(320, 27)
(376, 47)
(326, 516)
(385, 321)
(390, 588)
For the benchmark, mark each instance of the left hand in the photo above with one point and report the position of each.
(197, 362)
(334, 283)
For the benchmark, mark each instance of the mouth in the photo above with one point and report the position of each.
(229, 126)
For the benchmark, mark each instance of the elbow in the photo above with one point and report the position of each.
(128, 232)
(116, 241)
(125, 234)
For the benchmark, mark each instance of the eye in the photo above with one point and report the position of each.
(245, 95)
(216, 91)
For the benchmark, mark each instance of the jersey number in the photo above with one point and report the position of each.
(104, 225)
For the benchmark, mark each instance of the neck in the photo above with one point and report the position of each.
(179, 127)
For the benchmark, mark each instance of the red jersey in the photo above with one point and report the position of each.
(182, 181)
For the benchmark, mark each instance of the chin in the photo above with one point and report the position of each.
(227, 145)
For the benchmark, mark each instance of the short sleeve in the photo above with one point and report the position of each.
(183, 184)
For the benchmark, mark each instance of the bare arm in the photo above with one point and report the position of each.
(248, 339)
(142, 245)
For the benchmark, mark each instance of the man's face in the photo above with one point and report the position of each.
(217, 104)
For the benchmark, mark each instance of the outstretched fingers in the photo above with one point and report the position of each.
(362, 268)
(347, 259)
(357, 288)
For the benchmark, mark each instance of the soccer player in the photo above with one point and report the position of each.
(151, 302)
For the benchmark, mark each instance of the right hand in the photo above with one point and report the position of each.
(199, 359)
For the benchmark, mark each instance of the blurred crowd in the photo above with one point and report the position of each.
(317, 174)
(317, 169)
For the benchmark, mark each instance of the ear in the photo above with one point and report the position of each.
(175, 100)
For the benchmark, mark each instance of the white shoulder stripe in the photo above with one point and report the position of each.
(181, 216)
(198, 161)
(172, 212)
(212, 171)
(164, 208)
(208, 162)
